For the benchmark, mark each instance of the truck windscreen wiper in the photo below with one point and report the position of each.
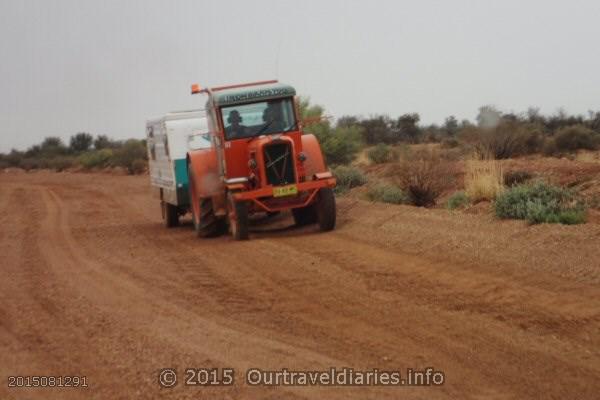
(262, 130)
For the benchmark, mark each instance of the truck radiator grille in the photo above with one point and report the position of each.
(279, 164)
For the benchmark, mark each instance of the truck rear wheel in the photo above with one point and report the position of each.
(305, 215)
(325, 206)
(170, 214)
(238, 218)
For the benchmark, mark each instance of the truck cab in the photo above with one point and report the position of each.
(259, 160)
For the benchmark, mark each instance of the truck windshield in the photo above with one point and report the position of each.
(266, 117)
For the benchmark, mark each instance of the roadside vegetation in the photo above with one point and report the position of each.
(381, 153)
(348, 177)
(458, 200)
(388, 193)
(399, 160)
(457, 164)
(541, 202)
(484, 179)
(83, 152)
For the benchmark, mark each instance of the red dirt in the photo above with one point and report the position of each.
(93, 285)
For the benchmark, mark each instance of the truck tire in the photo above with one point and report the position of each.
(206, 223)
(305, 215)
(170, 214)
(325, 206)
(238, 218)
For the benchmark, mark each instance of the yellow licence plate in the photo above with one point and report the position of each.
(285, 191)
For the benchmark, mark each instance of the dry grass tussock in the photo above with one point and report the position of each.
(484, 179)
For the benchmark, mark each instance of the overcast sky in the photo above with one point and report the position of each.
(104, 67)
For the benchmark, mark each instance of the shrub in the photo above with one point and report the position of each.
(103, 142)
(483, 179)
(574, 138)
(539, 203)
(508, 139)
(512, 178)
(348, 177)
(381, 153)
(31, 163)
(377, 129)
(95, 159)
(424, 176)
(341, 144)
(457, 200)
(549, 147)
(387, 193)
(60, 163)
(131, 151)
(14, 158)
(81, 142)
(138, 166)
(50, 147)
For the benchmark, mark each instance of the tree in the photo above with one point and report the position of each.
(339, 145)
(51, 146)
(407, 126)
(103, 142)
(377, 129)
(81, 142)
(451, 125)
(594, 120)
(347, 121)
(313, 120)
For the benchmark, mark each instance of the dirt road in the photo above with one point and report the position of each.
(92, 284)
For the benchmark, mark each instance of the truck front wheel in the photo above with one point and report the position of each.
(238, 218)
(305, 215)
(325, 206)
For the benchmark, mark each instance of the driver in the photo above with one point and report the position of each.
(272, 116)
(236, 129)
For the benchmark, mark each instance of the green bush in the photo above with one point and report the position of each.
(96, 159)
(386, 193)
(381, 153)
(512, 178)
(30, 163)
(340, 145)
(574, 138)
(127, 156)
(457, 200)
(60, 163)
(348, 177)
(540, 202)
(138, 166)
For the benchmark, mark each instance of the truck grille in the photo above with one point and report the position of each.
(279, 164)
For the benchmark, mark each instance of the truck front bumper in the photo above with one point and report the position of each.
(265, 200)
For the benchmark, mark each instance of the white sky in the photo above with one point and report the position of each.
(104, 67)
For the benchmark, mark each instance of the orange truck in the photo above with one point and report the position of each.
(258, 161)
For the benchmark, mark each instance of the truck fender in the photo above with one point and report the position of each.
(203, 167)
(315, 163)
